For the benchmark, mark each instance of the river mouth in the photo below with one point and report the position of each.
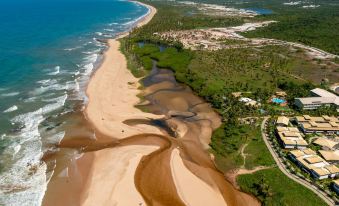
(187, 126)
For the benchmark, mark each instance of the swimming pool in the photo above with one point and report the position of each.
(278, 101)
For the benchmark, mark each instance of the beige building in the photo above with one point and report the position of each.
(326, 144)
(320, 97)
(290, 138)
(323, 124)
(330, 156)
(282, 121)
(310, 162)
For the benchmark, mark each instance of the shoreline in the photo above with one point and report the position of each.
(113, 56)
(98, 102)
(74, 187)
(113, 175)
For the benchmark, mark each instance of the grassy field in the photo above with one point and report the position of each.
(227, 142)
(272, 187)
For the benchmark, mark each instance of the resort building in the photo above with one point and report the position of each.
(313, 164)
(290, 138)
(249, 101)
(320, 97)
(282, 121)
(326, 144)
(281, 94)
(330, 156)
(323, 124)
(336, 186)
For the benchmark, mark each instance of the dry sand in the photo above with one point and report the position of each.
(112, 93)
(112, 176)
(192, 190)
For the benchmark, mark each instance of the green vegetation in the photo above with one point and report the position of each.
(214, 75)
(272, 187)
(171, 16)
(228, 141)
(310, 26)
(313, 27)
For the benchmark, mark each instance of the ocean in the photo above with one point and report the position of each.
(48, 50)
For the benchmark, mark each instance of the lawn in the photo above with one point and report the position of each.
(227, 142)
(273, 187)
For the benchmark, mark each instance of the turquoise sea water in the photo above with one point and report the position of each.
(48, 49)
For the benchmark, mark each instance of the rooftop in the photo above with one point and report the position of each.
(285, 129)
(324, 142)
(322, 93)
(319, 100)
(330, 155)
(291, 137)
(321, 97)
(319, 123)
(283, 120)
(298, 153)
(311, 161)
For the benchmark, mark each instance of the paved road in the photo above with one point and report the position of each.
(281, 166)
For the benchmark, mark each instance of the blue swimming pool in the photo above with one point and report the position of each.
(261, 11)
(278, 101)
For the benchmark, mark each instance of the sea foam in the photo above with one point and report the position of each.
(11, 94)
(11, 109)
(56, 71)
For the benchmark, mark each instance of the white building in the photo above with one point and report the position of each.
(320, 97)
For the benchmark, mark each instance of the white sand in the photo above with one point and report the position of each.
(112, 93)
(192, 190)
(112, 178)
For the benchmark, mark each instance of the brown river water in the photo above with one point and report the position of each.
(188, 125)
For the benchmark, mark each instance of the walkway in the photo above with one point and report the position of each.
(281, 166)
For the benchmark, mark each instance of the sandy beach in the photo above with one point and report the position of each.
(139, 164)
(112, 93)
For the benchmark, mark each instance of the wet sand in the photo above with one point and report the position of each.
(138, 158)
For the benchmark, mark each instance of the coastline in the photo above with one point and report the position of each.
(77, 181)
(120, 175)
(112, 92)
